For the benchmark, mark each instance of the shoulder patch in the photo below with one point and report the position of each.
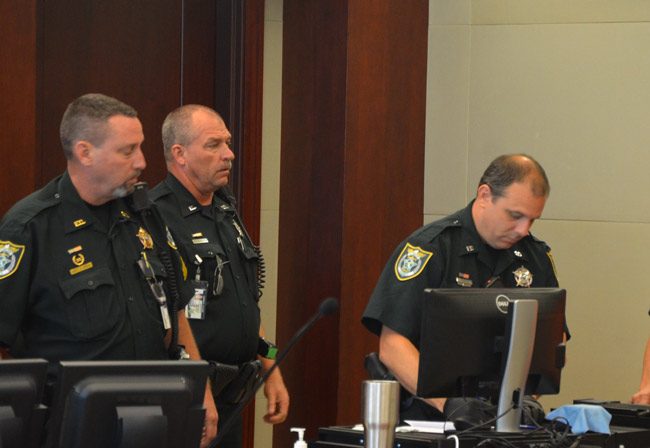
(10, 256)
(411, 262)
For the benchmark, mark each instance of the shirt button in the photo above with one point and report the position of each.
(91, 283)
(139, 331)
(237, 276)
(130, 299)
(244, 304)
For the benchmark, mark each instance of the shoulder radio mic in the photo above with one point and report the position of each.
(326, 307)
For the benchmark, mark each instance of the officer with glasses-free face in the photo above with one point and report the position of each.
(223, 261)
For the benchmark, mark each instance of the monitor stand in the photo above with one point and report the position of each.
(522, 323)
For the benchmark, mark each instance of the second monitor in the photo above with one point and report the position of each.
(465, 341)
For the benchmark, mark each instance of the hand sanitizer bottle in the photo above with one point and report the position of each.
(300, 443)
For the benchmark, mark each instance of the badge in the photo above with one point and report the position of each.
(463, 280)
(411, 262)
(518, 254)
(79, 260)
(145, 238)
(10, 256)
(523, 277)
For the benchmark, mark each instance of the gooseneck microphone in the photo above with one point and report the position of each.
(326, 307)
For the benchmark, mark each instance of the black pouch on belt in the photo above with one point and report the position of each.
(231, 383)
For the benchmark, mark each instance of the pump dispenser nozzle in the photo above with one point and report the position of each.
(300, 443)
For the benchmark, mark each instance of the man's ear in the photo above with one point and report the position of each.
(484, 194)
(178, 154)
(83, 152)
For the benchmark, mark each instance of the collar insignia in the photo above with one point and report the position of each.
(145, 238)
(470, 248)
(192, 207)
(124, 214)
(411, 262)
(523, 277)
(518, 254)
(79, 222)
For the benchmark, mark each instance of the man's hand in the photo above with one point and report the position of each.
(278, 398)
(211, 419)
(642, 396)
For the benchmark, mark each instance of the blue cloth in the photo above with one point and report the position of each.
(583, 417)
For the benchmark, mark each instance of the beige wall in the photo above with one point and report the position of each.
(270, 201)
(568, 83)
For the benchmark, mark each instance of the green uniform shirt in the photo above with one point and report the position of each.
(448, 254)
(70, 283)
(229, 333)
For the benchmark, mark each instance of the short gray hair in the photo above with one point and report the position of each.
(177, 128)
(86, 117)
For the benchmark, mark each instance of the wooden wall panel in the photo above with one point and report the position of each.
(313, 117)
(353, 119)
(384, 159)
(129, 50)
(18, 30)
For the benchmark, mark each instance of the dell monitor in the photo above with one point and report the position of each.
(492, 343)
(22, 413)
(128, 404)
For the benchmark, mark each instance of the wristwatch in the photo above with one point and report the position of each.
(266, 349)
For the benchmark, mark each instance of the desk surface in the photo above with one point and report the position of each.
(346, 437)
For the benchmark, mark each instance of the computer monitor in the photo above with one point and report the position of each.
(22, 414)
(492, 342)
(128, 404)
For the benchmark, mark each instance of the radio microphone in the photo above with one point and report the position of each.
(326, 307)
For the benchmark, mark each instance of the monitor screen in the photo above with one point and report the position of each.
(464, 341)
(128, 404)
(21, 393)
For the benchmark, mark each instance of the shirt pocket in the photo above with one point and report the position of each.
(91, 303)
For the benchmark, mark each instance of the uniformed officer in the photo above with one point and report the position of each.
(642, 396)
(488, 243)
(223, 261)
(82, 262)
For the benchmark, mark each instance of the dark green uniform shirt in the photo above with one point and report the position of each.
(229, 333)
(69, 280)
(447, 254)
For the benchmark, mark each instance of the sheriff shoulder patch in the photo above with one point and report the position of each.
(411, 262)
(10, 256)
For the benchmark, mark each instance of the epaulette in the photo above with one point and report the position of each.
(34, 204)
(160, 190)
(538, 241)
(431, 231)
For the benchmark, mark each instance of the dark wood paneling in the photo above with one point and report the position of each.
(313, 145)
(353, 117)
(384, 177)
(17, 100)
(129, 50)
